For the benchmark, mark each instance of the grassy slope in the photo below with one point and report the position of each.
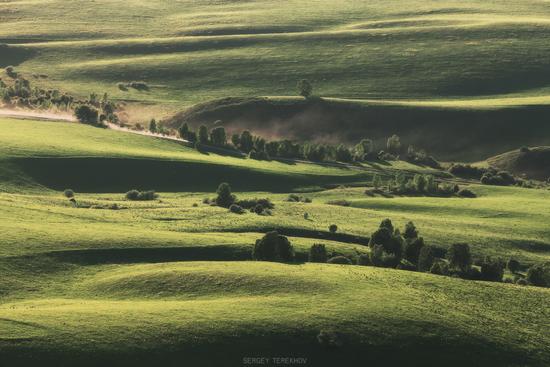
(134, 314)
(61, 155)
(460, 132)
(535, 163)
(91, 285)
(454, 52)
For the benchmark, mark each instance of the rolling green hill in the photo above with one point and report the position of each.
(171, 279)
(416, 63)
(533, 163)
(446, 131)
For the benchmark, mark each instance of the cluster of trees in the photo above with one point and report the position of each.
(20, 93)
(407, 250)
(257, 147)
(486, 176)
(95, 110)
(226, 199)
(136, 195)
(419, 185)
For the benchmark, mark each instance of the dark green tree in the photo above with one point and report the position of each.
(459, 256)
(203, 135)
(225, 198)
(305, 89)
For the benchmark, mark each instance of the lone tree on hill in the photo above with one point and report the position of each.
(273, 247)
(304, 88)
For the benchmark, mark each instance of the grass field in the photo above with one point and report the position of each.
(171, 281)
(412, 62)
(193, 51)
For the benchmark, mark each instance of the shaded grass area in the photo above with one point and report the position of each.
(455, 133)
(272, 310)
(120, 175)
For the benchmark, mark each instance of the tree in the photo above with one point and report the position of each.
(153, 126)
(413, 248)
(410, 231)
(333, 228)
(87, 114)
(318, 253)
(273, 247)
(419, 183)
(459, 256)
(343, 154)
(247, 142)
(363, 149)
(218, 136)
(426, 258)
(539, 275)
(236, 140)
(203, 134)
(68, 193)
(225, 198)
(184, 131)
(492, 270)
(391, 243)
(513, 265)
(304, 88)
(393, 144)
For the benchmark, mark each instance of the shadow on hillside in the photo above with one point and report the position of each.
(152, 255)
(92, 174)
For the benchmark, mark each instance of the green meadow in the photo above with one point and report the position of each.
(103, 280)
(449, 53)
(171, 280)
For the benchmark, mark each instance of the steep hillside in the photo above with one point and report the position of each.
(533, 162)
(449, 132)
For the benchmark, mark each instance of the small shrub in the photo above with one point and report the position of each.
(234, 208)
(132, 195)
(333, 228)
(258, 209)
(339, 202)
(195, 205)
(68, 193)
(342, 260)
(273, 247)
(318, 253)
(466, 193)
